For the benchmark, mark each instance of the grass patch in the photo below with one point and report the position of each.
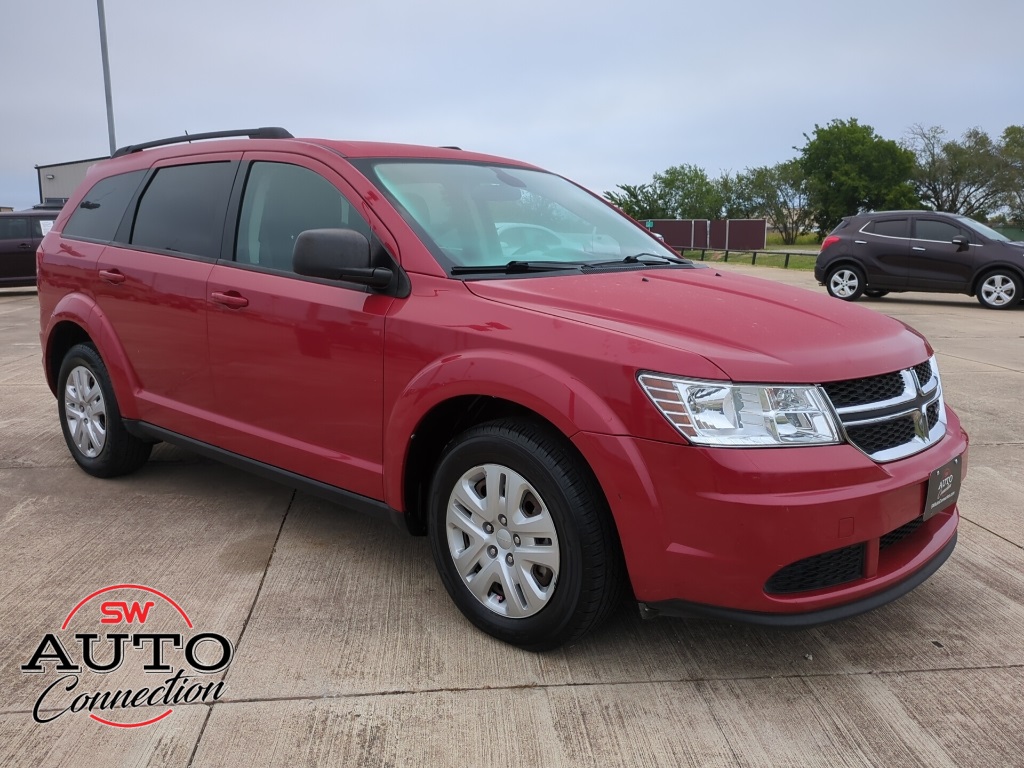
(796, 261)
(805, 242)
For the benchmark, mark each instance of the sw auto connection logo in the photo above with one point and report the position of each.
(81, 661)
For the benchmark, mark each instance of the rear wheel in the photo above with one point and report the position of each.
(91, 420)
(875, 293)
(521, 535)
(999, 289)
(845, 282)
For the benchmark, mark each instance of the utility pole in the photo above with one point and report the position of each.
(106, 75)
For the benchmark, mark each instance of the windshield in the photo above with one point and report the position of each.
(983, 229)
(477, 215)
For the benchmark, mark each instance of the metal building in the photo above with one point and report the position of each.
(58, 181)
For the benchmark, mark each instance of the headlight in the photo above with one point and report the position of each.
(736, 415)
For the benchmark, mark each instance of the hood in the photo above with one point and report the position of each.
(753, 330)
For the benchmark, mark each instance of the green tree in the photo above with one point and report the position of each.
(738, 196)
(689, 193)
(779, 194)
(1011, 150)
(641, 201)
(962, 176)
(849, 168)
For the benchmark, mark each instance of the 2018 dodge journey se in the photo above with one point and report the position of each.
(492, 356)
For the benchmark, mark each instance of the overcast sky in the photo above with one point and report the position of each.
(605, 93)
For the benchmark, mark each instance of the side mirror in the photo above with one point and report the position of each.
(962, 243)
(337, 254)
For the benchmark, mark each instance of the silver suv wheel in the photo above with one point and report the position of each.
(502, 541)
(999, 290)
(85, 411)
(521, 534)
(845, 282)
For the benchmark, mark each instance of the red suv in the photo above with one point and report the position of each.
(492, 356)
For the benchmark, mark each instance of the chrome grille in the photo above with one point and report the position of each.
(893, 415)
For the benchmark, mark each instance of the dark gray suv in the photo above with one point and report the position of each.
(20, 235)
(891, 251)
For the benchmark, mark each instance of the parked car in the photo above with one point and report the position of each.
(893, 251)
(564, 414)
(20, 235)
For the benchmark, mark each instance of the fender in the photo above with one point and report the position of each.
(553, 393)
(982, 271)
(83, 311)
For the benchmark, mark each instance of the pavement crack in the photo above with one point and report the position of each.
(245, 625)
(988, 530)
(610, 683)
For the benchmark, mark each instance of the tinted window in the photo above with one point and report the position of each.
(890, 227)
(99, 214)
(281, 201)
(942, 231)
(13, 228)
(183, 209)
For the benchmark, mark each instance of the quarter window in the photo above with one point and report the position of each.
(280, 202)
(99, 214)
(183, 209)
(939, 231)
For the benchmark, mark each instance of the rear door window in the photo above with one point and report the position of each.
(889, 227)
(13, 228)
(183, 208)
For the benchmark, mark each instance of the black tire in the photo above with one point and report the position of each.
(999, 289)
(90, 419)
(845, 282)
(546, 486)
(875, 293)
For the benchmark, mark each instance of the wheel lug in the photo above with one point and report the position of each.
(517, 540)
(489, 528)
(492, 551)
(509, 559)
(502, 519)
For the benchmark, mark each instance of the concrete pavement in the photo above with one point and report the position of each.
(347, 651)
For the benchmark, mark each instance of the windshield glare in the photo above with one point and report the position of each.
(983, 229)
(476, 215)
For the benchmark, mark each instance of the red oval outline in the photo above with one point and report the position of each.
(99, 719)
(127, 586)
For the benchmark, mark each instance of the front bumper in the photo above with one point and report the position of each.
(705, 530)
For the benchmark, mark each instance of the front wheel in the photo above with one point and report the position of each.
(999, 290)
(90, 419)
(521, 535)
(845, 282)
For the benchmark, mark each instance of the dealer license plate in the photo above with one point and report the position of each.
(943, 487)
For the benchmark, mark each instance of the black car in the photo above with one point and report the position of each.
(891, 251)
(20, 234)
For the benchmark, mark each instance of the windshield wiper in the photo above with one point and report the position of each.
(640, 258)
(515, 267)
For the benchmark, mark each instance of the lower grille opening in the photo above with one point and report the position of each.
(820, 571)
(901, 533)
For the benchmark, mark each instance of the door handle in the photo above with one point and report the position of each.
(917, 248)
(112, 276)
(231, 299)
(24, 246)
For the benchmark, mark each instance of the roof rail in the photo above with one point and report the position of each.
(252, 133)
